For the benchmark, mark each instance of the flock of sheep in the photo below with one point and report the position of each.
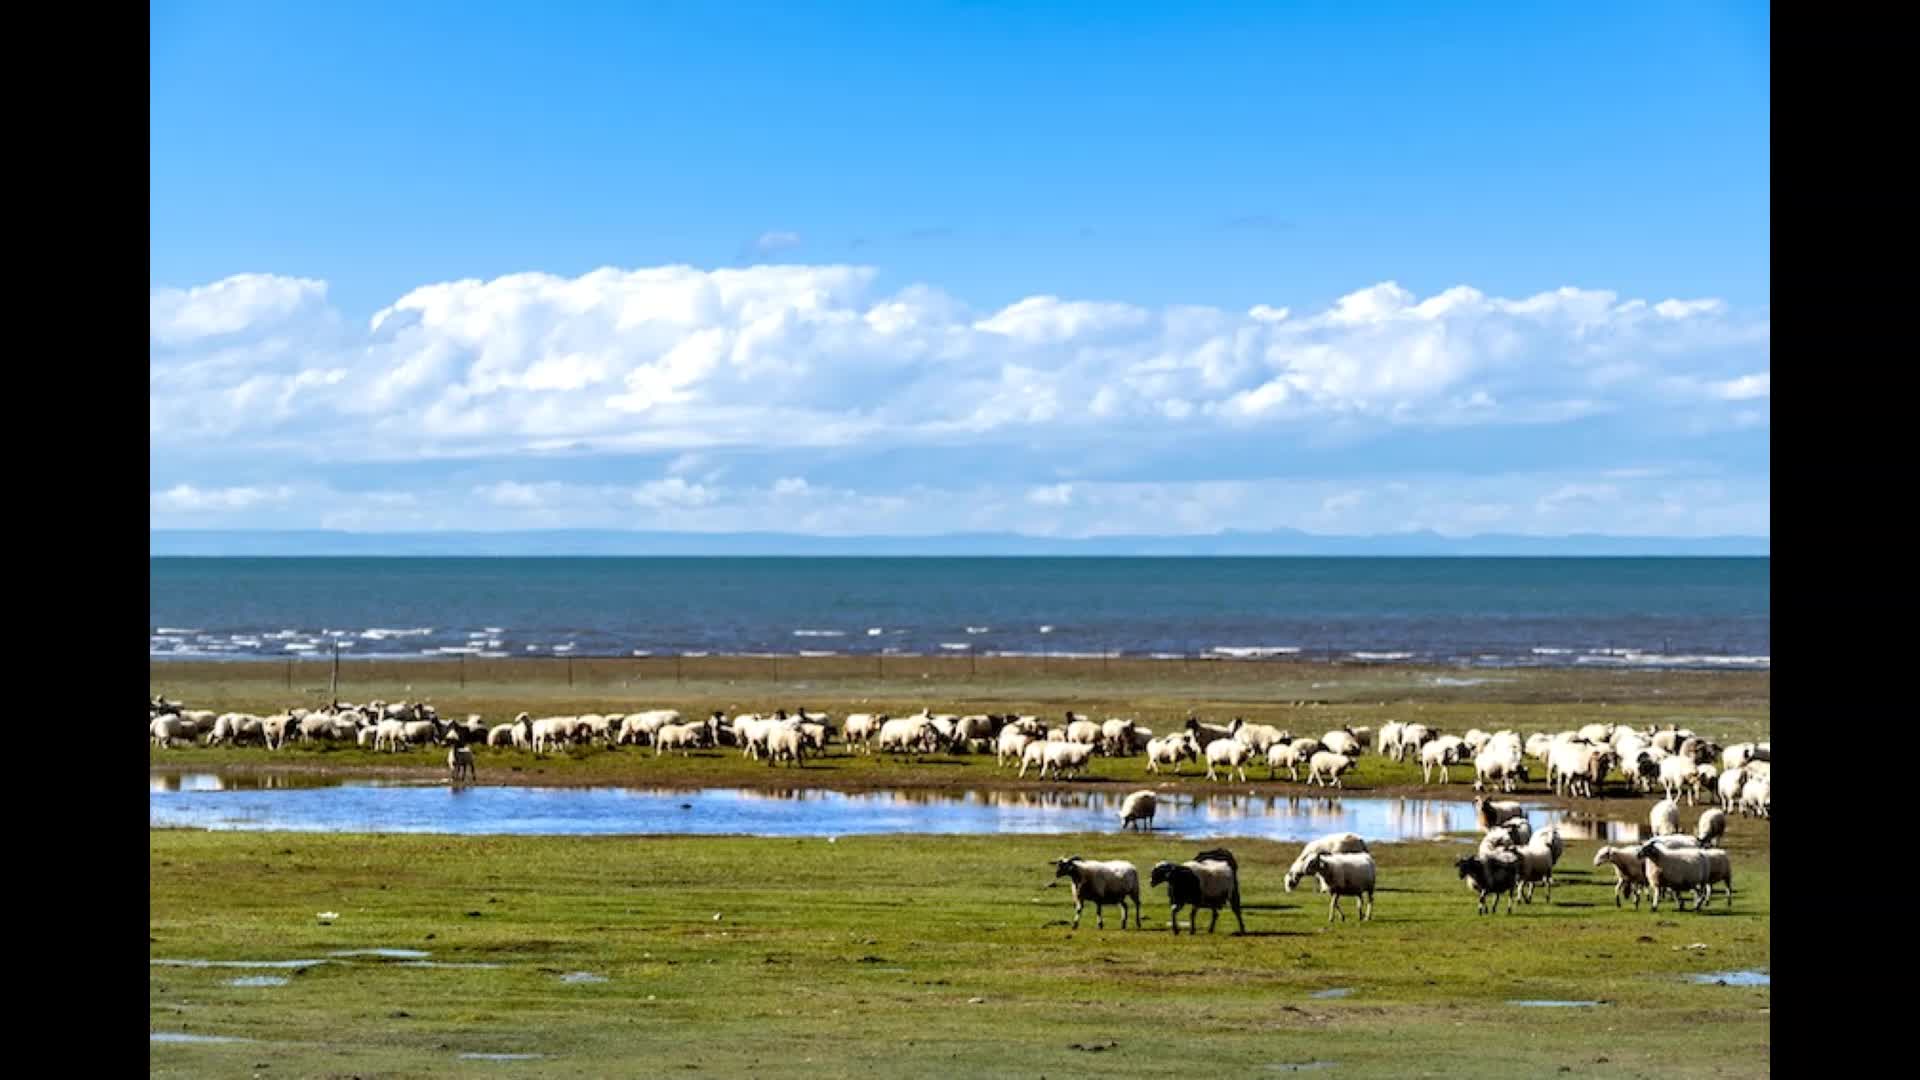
(1512, 860)
(1576, 763)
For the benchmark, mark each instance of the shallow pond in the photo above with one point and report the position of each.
(209, 801)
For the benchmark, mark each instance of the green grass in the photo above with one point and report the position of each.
(864, 956)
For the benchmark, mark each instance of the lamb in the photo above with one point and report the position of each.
(1331, 844)
(1711, 827)
(1325, 766)
(1103, 883)
(1756, 798)
(1345, 875)
(1665, 817)
(1629, 873)
(1229, 752)
(1210, 880)
(1139, 807)
(1172, 750)
(1491, 874)
(460, 764)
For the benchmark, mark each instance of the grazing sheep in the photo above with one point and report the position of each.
(1207, 734)
(1711, 827)
(1229, 752)
(1084, 732)
(1756, 798)
(1719, 872)
(1502, 764)
(1390, 734)
(1035, 754)
(274, 730)
(1412, 738)
(1210, 880)
(1345, 875)
(1665, 817)
(1629, 873)
(1103, 883)
(1172, 750)
(460, 764)
(1491, 874)
(1116, 738)
(165, 729)
(1139, 807)
(1325, 766)
(905, 735)
(638, 729)
(1331, 844)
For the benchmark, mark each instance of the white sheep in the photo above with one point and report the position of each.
(1535, 866)
(861, 728)
(1116, 737)
(1439, 754)
(1013, 742)
(1711, 827)
(1502, 765)
(165, 729)
(1676, 870)
(1629, 873)
(1756, 798)
(1325, 766)
(1331, 844)
(784, 742)
(1172, 750)
(1229, 752)
(1665, 817)
(1345, 875)
(681, 737)
(1729, 785)
(1677, 777)
(1284, 756)
(1065, 756)
(1390, 739)
(1103, 883)
(1139, 807)
(1341, 741)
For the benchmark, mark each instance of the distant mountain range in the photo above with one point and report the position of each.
(609, 542)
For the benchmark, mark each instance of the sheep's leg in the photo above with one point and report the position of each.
(1100, 916)
(1214, 924)
(1173, 919)
(1078, 906)
(1334, 907)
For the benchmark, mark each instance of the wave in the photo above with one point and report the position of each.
(875, 631)
(177, 630)
(978, 629)
(955, 646)
(1247, 652)
(817, 652)
(819, 633)
(1382, 655)
(1552, 652)
(382, 633)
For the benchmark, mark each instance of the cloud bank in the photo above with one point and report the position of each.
(671, 372)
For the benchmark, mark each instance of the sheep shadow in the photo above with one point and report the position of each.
(1271, 907)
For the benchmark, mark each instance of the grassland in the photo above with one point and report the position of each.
(925, 956)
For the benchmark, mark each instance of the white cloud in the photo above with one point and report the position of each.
(679, 359)
(187, 499)
(770, 242)
(1051, 495)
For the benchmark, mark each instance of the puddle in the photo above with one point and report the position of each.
(582, 977)
(176, 781)
(1557, 1004)
(236, 963)
(389, 954)
(183, 1037)
(371, 806)
(1735, 978)
(501, 1057)
(258, 980)
(1336, 992)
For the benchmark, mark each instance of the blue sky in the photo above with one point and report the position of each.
(945, 265)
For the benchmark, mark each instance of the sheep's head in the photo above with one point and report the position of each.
(1162, 870)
